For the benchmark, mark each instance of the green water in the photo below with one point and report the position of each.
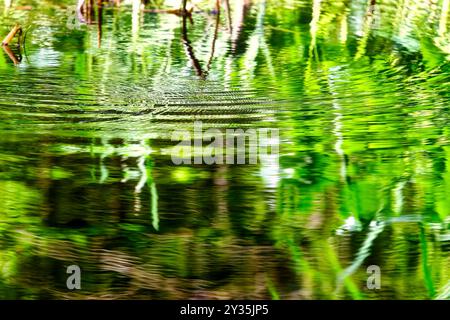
(359, 94)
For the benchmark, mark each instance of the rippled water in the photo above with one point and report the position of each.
(358, 91)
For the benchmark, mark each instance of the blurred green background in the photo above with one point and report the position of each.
(357, 88)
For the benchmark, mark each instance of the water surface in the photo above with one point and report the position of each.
(358, 91)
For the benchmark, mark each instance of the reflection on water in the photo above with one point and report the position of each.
(358, 89)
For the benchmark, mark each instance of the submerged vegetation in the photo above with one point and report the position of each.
(91, 92)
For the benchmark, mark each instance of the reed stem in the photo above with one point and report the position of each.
(17, 28)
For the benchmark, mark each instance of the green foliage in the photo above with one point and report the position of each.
(360, 96)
